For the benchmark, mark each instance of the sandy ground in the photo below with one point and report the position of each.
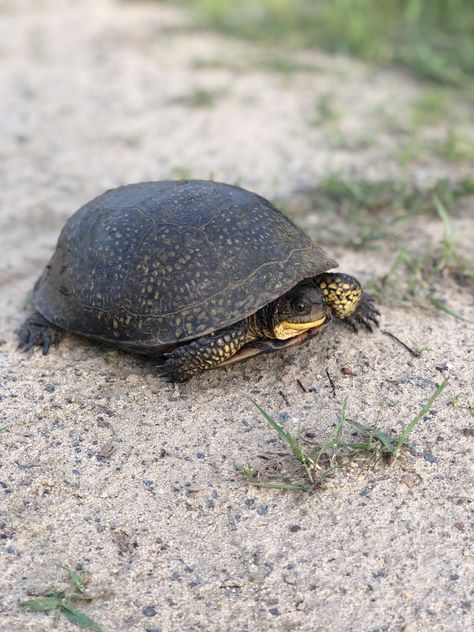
(104, 466)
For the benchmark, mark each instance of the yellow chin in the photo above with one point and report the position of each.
(286, 330)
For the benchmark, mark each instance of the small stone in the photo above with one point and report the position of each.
(294, 528)
(431, 458)
(460, 526)
(289, 578)
(49, 388)
(263, 510)
(410, 479)
(419, 381)
(275, 612)
(149, 611)
(348, 371)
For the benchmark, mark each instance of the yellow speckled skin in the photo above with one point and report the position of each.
(206, 352)
(341, 292)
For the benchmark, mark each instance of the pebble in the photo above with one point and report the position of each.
(149, 611)
(422, 382)
(431, 458)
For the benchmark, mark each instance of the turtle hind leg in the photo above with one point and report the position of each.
(344, 295)
(36, 330)
(204, 353)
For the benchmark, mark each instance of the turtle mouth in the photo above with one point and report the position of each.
(302, 326)
(287, 329)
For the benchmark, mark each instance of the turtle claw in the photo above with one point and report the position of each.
(365, 315)
(36, 330)
(171, 370)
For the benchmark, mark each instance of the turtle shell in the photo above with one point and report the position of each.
(149, 265)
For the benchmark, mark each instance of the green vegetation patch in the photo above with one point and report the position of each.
(317, 462)
(363, 214)
(432, 38)
(60, 601)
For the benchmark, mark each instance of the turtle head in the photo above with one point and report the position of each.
(297, 311)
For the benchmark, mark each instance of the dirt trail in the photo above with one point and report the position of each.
(94, 95)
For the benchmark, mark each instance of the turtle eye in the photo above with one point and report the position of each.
(299, 306)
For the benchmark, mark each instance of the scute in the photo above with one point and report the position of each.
(160, 262)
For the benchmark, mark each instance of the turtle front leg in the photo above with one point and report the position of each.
(36, 330)
(343, 293)
(204, 353)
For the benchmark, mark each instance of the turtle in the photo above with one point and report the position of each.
(196, 273)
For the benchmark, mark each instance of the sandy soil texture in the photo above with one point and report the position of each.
(104, 467)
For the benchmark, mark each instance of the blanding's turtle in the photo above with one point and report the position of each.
(199, 273)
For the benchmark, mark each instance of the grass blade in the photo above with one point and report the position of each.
(290, 441)
(79, 618)
(448, 226)
(274, 424)
(77, 579)
(298, 486)
(377, 434)
(42, 604)
(411, 425)
(444, 308)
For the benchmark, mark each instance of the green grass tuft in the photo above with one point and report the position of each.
(199, 98)
(363, 214)
(320, 462)
(59, 601)
(431, 38)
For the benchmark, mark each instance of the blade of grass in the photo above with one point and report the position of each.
(297, 451)
(448, 226)
(378, 434)
(77, 579)
(79, 618)
(247, 470)
(341, 420)
(42, 604)
(301, 485)
(444, 308)
(411, 425)
(333, 440)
